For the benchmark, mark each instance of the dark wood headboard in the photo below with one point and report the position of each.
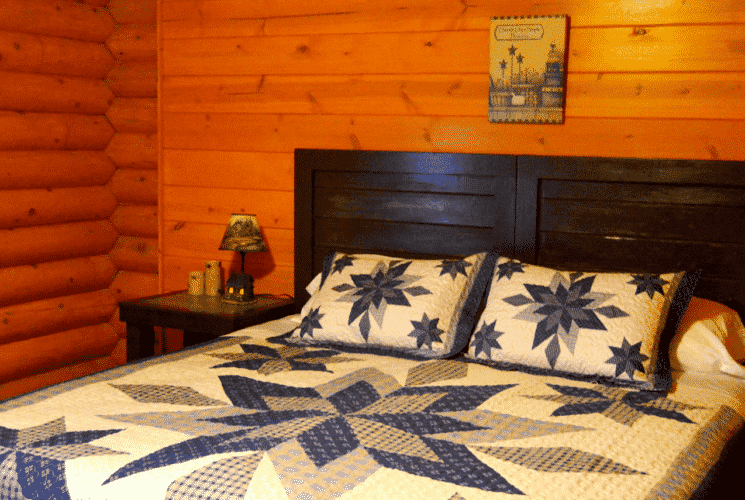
(592, 214)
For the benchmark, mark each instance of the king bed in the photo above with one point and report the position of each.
(472, 326)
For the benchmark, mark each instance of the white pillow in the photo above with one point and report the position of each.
(709, 339)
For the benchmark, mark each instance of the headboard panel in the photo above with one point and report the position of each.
(591, 214)
(421, 204)
(636, 215)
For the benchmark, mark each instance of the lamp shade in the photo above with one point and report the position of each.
(243, 235)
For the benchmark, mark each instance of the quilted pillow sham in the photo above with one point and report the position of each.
(613, 327)
(424, 308)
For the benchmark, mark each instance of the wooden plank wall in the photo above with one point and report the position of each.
(64, 223)
(245, 83)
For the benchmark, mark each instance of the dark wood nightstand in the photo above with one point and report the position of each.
(201, 317)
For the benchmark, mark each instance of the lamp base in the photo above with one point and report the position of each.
(239, 288)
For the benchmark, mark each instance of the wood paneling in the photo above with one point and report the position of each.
(245, 78)
(57, 18)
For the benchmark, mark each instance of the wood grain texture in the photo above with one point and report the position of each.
(35, 207)
(133, 11)
(29, 131)
(136, 220)
(61, 18)
(132, 150)
(52, 93)
(135, 186)
(53, 55)
(133, 79)
(625, 137)
(711, 95)
(43, 317)
(33, 282)
(133, 285)
(30, 169)
(613, 12)
(61, 241)
(212, 205)
(138, 115)
(134, 42)
(133, 253)
(229, 169)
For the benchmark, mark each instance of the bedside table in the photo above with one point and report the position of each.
(201, 317)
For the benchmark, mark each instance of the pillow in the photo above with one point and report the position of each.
(711, 336)
(604, 326)
(425, 308)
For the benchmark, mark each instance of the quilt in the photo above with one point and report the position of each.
(245, 417)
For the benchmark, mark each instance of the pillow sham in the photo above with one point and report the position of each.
(710, 338)
(608, 326)
(424, 308)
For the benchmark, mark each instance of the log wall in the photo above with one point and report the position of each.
(245, 83)
(76, 232)
(133, 150)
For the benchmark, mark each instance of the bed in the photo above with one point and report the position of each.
(508, 388)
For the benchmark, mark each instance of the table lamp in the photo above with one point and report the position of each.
(242, 235)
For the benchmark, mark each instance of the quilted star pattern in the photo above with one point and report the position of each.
(310, 322)
(622, 406)
(387, 284)
(561, 309)
(32, 460)
(453, 267)
(486, 338)
(628, 359)
(649, 284)
(267, 360)
(425, 331)
(424, 431)
(507, 269)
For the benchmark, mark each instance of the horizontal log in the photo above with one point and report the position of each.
(694, 139)
(644, 95)
(137, 115)
(133, 11)
(53, 55)
(53, 131)
(137, 187)
(229, 169)
(277, 281)
(664, 48)
(57, 18)
(120, 327)
(273, 209)
(131, 253)
(136, 220)
(55, 279)
(129, 285)
(55, 94)
(282, 16)
(32, 356)
(33, 245)
(134, 42)
(46, 378)
(36, 207)
(31, 169)
(194, 239)
(43, 317)
(96, 3)
(132, 150)
(133, 79)
(119, 354)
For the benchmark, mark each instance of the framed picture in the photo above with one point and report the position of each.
(527, 69)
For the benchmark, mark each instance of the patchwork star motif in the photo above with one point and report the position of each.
(507, 269)
(366, 415)
(622, 406)
(453, 267)
(561, 309)
(649, 284)
(485, 339)
(32, 460)
(309, 322)
(371, 293)
(267, 360)
(628, 359)
(426, 331)
(342, 263)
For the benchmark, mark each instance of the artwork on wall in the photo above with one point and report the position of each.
(526, 69)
